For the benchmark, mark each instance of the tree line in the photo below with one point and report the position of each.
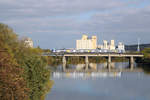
(145, 61)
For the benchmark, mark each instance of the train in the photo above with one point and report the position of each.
(86, 51)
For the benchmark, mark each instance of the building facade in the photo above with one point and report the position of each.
(112, 45)
(86, 43)
(28, 42)
(121, 47)
(91, 43)
(105, 45)
(108, 46)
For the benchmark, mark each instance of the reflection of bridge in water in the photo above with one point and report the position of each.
(85, 75)
(106, 70)
(109, 56)
(100, 67)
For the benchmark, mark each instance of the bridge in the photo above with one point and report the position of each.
(130, 56)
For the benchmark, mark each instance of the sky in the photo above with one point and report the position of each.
(59, 23)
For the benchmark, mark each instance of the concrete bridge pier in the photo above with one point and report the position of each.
(131, 62)
(64, 63)
(109, 62)
(86, 62)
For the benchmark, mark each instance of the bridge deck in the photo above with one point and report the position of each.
(96, 54)
(107, 70)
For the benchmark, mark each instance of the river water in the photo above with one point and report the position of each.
(99, 85)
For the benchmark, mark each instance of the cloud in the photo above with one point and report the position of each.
(71, 18)
(55, 7)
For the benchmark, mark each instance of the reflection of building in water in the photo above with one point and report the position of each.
(113, 64)
(84, 75)
(105, 64)
(80, 66)
(93, 66)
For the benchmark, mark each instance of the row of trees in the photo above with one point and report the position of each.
(146, 59)
(144, 62)
(23, 73)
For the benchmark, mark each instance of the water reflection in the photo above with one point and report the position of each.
(83, 75)
(80, 66)
(94, 70)
(99, 83)
(95, 66)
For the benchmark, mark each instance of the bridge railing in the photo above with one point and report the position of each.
(63, 53)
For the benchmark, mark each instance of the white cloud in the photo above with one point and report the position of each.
(76, 16)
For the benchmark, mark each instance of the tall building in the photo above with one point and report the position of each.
(121, 47)
(112, 45)
(91, 43)
(108, 46)
(105, 44)
(94, 42)
(86, 43)
(28, 42)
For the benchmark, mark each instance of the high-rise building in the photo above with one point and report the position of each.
(108, 46)
(28, 42)
(121, 47)
(112, 45)
(105, 44)
(86, 43)
(91, 43)
(94, 42)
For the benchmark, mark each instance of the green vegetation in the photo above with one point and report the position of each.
(145, 61)
(146, 58)
(23, 73)
(55, 61)
(146, 53)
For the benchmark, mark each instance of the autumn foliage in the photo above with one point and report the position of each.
(23, 75)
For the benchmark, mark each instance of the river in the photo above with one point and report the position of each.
(99, 85)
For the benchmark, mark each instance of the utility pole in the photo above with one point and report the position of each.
(138, 48)
(97, 38)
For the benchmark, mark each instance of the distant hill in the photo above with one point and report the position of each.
(134, 47)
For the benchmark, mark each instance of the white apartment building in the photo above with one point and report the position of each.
(91, 43)
(107, 46)
(112, 45)
(86, 43)
(121, 47)
(28, 42)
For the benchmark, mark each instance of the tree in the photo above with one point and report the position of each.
(12, 84)
(23, 73)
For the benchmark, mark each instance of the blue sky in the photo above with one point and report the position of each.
(58, 23)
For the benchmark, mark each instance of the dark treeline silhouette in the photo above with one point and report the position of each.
(133, 48)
